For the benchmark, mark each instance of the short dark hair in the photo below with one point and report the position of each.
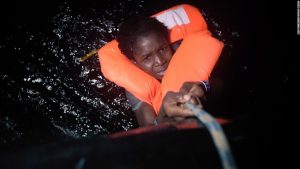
(135, 27)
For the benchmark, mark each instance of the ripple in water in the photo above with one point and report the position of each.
(47, 79)
(45, 90)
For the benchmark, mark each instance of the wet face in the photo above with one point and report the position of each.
(152, 53)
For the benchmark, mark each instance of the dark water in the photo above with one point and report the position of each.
(46, 94)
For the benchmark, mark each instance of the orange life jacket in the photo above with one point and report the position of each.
(192, 61)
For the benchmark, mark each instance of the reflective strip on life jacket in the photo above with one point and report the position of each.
(181, 20)
(198, 51)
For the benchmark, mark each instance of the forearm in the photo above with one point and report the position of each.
(145, 115)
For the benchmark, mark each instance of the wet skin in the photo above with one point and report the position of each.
(152, 53)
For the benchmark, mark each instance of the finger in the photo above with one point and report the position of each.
(185, 88)
(196, 90)
(184, 98)
(192, 88)
(195, 100)
(173, 104)
(170, 97)
(181, 111)
(176, 98)
(173, 99)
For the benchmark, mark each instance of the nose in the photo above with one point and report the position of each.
(159, 60)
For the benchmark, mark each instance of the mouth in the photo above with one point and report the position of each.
(162, 69)
(161, 73)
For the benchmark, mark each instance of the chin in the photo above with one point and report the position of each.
(159, 77)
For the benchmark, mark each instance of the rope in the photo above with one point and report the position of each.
(217, 134)
(90, 54)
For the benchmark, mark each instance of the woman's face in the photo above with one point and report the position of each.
(152, 53)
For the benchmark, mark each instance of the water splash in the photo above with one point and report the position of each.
(74, 98)
(51, 89)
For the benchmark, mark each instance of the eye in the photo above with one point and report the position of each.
(146, 58)
(164, 48)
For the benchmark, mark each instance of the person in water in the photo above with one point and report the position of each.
(145, 42)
